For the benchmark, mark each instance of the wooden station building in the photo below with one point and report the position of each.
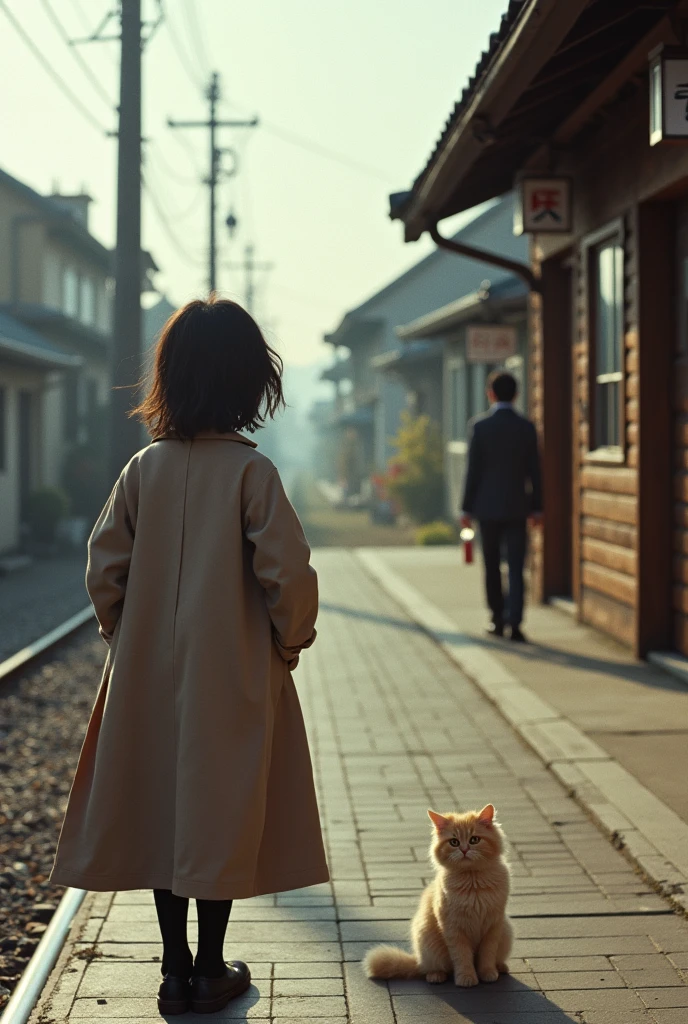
(583, 107)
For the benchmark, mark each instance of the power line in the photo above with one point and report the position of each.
(171, 172)
(311, 146)
(167, 227)
(93, 79)
(48, 68)
(184, 59)
(187, 210)
(198, 41)
(190, 152)
(81, 14)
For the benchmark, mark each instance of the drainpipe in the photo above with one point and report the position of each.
(522, 270)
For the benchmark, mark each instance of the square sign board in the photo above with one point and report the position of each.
(490, 343)
(668, 95)
(543, 206)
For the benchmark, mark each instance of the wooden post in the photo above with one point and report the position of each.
(656, 343)
(557, 468)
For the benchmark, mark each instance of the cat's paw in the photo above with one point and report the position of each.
(436, 977)
(466, 980)
(488, 974)
(503, 968)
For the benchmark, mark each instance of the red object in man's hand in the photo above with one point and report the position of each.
(467, 535)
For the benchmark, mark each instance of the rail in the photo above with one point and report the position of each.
(27, 654)
(26, 994)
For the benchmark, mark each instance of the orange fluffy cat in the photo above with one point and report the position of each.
(460, 927)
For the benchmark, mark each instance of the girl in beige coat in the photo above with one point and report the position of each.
(195, 777)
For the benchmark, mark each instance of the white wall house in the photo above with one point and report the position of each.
(32, 375)
(370, 330)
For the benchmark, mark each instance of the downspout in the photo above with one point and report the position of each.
(522, 270)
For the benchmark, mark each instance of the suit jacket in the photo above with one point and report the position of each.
(503, 475)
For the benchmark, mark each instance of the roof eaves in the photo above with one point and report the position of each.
(504, 293)
(44, 354)
(529, 28)
(61, 217)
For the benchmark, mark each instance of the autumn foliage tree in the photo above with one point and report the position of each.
(418, 479)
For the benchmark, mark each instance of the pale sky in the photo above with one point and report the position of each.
(372, 82)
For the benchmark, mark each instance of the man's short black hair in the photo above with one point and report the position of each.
(503, 385)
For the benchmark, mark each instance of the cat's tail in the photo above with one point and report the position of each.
(390, 962)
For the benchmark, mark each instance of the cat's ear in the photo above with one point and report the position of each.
(486, 816)
(438, 820)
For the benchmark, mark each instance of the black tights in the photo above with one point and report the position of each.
(213, 916)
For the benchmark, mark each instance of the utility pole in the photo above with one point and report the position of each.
(213, 95)
(125, 434)
(249, 266)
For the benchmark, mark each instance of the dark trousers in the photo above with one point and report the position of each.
(497, 536)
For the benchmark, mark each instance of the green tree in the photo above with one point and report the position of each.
(417, 479)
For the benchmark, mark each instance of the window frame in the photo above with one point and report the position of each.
(4, 433)
(612, 233)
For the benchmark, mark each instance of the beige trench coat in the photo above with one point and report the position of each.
(195, 773)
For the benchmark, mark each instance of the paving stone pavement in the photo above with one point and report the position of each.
(395, 728)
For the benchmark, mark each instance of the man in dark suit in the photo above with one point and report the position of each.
(503, 491)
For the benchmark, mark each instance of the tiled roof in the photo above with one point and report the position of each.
(509, 19)
(54, 211)
(19, 342)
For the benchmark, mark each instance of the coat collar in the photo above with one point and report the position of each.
(211, 435)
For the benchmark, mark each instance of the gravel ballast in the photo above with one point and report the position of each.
(43, 718)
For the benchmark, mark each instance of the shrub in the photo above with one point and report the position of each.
(83, 477)
(438, 532)
(45, 509)
(418, 481)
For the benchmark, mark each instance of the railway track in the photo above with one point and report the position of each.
(28, 990)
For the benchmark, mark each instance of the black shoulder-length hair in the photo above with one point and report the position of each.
(213, 371)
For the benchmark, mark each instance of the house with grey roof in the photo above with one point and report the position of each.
(387, 371)
(56, 287)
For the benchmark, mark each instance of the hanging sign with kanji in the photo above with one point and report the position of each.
(668, 95)
(543, 206)
(490, 343)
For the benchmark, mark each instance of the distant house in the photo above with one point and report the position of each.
(565, 102)
(446, 379)
(376, 397)
(31, 375)
(57, 279)
(56, 290)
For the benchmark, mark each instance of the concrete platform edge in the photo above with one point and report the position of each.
(42, 1009)
(607, 792)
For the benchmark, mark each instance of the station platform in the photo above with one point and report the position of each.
(397, 727)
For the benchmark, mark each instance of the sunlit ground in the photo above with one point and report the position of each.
(329, 527)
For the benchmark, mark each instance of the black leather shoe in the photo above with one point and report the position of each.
(174, 995)
(517, 636)
(495, 629)
(211, 994)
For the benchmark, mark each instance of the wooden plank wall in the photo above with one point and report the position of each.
(607, 499)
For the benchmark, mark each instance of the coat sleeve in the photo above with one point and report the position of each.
(281, 562)
(470, 489)
(534, 470)
(109, 554)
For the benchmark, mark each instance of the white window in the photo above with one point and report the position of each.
(87, 302)
(458, 405)
(51, 290)
(104, 290)
(608, 335)
(70, 292)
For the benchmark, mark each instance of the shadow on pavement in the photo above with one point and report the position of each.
(480, 1005)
